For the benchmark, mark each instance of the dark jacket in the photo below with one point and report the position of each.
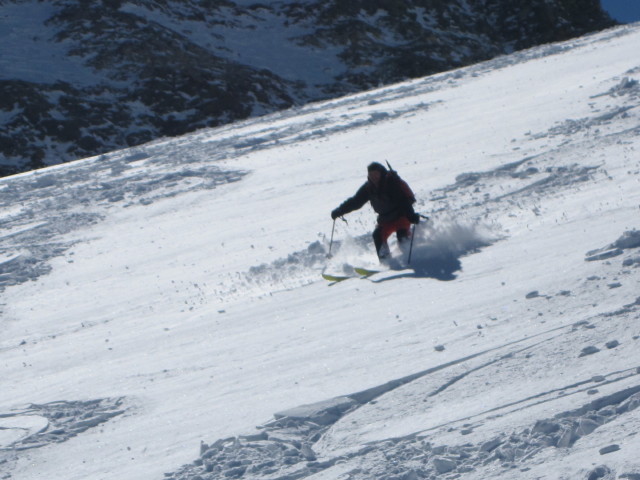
(391, 200)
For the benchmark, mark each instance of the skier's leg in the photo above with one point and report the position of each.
(403, 234)
(377, 239)
(380, 236)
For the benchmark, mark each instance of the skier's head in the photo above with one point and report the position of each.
(375, 166)
(376, 171)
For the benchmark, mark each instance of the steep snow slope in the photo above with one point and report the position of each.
(162, 302)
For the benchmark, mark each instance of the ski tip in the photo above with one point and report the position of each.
(334, 278)
(365, 272)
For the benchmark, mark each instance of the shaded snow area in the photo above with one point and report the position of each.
(163, 313)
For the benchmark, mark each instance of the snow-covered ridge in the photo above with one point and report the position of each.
(80, 78)
(163, 313)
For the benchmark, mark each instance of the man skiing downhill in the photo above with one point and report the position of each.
(392, 199)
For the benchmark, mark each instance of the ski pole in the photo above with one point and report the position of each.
(413, 234)
(331, 242)
(332, 230)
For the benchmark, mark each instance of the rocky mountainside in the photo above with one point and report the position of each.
(83, 77)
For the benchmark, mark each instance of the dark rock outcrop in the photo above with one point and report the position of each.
(145, 69)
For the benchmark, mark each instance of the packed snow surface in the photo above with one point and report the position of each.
(164, 314)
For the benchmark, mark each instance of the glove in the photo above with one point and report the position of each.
(413, 217)
(336, 213)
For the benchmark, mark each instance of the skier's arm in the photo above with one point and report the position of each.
(410, 213)
(354, 203)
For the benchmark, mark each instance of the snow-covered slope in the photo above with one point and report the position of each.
(163, 314)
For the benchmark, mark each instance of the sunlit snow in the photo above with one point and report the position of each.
(164, 314)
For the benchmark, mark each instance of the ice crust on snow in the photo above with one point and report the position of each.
(628, 240)
(285, 447)
(294, 444)
(40, 425)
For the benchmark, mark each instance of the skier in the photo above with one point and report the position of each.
(392, 199)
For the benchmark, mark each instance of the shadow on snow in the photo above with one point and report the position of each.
(438, 249)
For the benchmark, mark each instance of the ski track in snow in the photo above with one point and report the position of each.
(313, 440)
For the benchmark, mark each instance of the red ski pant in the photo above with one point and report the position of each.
(401, 227)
